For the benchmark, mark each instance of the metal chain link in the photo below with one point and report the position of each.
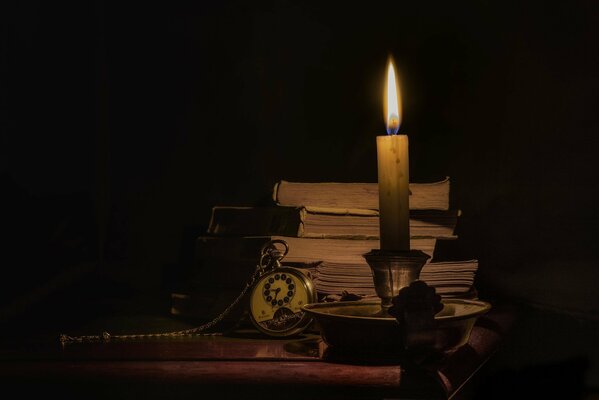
(270, 257)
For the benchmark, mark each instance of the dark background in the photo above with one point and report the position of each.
(126, 123)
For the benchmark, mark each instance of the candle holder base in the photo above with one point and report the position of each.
(357, 330)
(394, 270)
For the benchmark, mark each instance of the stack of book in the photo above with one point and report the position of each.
(328, 227)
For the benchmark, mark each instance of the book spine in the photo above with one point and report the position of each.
(275, 192)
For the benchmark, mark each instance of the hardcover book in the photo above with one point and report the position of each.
(323, 222)
(423, 196)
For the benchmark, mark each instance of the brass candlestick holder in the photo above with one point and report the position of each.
(394, 270)
(366, 328)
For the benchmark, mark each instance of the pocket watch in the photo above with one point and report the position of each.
(279, 293)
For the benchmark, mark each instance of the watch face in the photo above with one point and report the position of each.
(276, 300)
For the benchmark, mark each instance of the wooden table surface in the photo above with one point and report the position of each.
(243, 365)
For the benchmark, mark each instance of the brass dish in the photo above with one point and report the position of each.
(362, 327)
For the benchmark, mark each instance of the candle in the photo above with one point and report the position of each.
(393, 174)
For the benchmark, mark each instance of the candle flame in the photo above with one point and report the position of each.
(392, 102)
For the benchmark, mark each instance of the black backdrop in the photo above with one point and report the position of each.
(126, 123)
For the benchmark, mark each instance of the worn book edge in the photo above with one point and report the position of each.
(277, 186)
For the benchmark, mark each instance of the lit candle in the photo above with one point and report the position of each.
(393, 174)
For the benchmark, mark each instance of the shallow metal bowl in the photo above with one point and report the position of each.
(361, 326)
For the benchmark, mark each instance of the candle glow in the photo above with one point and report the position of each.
(392, 102)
